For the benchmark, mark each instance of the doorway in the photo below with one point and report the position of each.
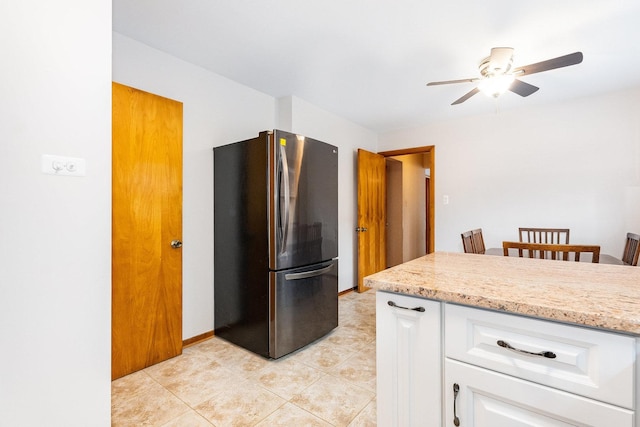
(394, 229)
(406, 214)
(426, 210)
(372, 208)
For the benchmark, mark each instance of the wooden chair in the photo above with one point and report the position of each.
(473, 242)
(631, 249)
(478, 241)
(467, 242)
(552, 251)
(544, 235)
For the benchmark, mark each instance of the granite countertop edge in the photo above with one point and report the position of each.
(605, 297)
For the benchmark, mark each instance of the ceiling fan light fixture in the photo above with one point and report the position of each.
(494, 86)
(498, 76)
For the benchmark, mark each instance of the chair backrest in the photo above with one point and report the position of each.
(544, 235)
(631, 249)
(473, 242)
(467, 242)
(552, 251)
(478, 240)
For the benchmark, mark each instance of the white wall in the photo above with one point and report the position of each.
(55, 245)
(307, 119)
(218, 111)
(575, 165)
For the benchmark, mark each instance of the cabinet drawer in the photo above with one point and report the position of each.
(591, 363)
(488, 399)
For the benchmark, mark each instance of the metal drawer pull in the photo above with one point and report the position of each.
(307, 274)
(393, 304)
(456, 389)
(547, 354)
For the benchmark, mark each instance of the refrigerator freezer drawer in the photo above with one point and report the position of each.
(304, 306)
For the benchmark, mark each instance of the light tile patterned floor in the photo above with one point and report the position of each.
(331, 382)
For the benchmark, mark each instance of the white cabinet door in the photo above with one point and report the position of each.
(489, 399)
(594, 364)
(408, 361)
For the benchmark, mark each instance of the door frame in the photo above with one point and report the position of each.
(431, 214)
(427, 209)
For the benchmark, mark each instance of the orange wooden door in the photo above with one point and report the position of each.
(146, 325)
(372, 215)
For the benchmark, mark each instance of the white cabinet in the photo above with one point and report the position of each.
(409, 354)
(484, 368)
(511, 371)
(489, 399)
(587, 362)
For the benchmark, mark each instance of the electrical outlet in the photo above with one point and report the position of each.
(62, 165)
(445, 200)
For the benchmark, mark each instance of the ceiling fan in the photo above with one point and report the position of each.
(497, 76)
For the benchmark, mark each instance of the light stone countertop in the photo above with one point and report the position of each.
(595, 295)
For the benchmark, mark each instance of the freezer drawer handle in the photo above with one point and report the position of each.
(547, 354)
(307, 274)
(393, 304)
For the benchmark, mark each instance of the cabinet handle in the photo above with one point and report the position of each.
(456, 389)
(547, 354)
(393, 304)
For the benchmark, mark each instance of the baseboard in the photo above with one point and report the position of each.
(346, 292)
(197, 338)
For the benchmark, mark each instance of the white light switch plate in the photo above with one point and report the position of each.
(62, 165)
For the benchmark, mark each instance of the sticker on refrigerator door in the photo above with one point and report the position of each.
(283, 141)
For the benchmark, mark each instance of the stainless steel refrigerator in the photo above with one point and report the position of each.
(275, 242)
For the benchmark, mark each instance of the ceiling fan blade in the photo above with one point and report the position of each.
(522, 88)
(466, 96)
(550, 64)
(448, 82)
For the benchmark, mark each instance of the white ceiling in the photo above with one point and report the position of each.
(369, 60)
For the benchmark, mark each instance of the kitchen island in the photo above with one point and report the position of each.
(486, 341)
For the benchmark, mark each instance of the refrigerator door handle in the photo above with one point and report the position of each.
(283, 187)
(307, 274)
